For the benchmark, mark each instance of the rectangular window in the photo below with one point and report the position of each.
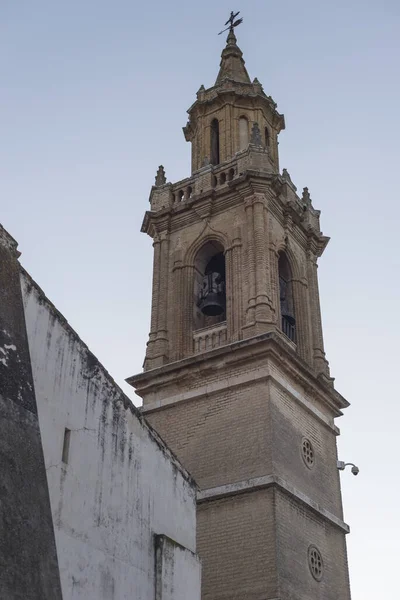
(65, 450)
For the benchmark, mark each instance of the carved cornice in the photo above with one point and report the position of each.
(268, 481)
(231, 92)
(261, 186)
(233, 355)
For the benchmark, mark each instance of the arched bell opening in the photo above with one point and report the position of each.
(266, 138)
(214, 150)
(288, 318)
(209, 286)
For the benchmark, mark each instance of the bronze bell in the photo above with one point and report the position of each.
(212, 295)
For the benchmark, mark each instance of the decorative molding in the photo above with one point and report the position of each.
(230, 382)
(266, 481)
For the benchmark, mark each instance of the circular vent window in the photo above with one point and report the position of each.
(315, 563)
(307, 452)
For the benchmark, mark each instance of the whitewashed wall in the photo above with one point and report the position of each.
(121, 485)
(177, 572)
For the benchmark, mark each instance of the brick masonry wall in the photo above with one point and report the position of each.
(297, 528)
(290, 424)
(248, 419)
(236, 542)
(221, 438)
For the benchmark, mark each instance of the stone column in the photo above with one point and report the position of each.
(320, 363)
(154, 300)
(176, 333)
(261, 245)
(237, 320)
(234, 286)
(229, 290)
(303, 334)
(251, 266)
(273, 270)
(259, 310)
(162, 330)
(187, 307)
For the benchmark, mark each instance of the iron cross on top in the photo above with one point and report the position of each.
(231, 22)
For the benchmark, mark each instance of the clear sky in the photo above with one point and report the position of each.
(93, 97)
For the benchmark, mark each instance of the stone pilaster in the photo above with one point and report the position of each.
(157, 346)
(162, 329)
(273, 271)
(319, 361)
(303, 334)
(261, 248)
(177, 278)
(154, 301)
(251, 265)
(187, 308)
(259, 311)
(233, 257)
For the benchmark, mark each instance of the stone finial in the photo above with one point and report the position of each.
(206, 162)
(306, 196)
(160, 177)
(255, 138)
(286, 177)
(231, 39)
(232, 65)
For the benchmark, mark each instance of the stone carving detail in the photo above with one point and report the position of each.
(160, 177)
(255, 138)
(257, 85)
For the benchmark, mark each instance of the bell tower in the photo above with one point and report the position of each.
(235, 375)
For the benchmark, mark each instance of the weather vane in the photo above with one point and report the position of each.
(231, 22)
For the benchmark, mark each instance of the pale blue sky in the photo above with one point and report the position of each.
(93, 97)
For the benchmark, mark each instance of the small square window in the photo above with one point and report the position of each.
(65, 450)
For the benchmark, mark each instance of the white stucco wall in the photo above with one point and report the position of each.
(121, 486)
(177, 571)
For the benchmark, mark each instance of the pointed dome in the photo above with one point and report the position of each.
(216, 133)
(232, 64)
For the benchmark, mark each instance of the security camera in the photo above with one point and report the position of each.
(341, 465)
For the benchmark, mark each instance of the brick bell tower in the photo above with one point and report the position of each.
(235, 376)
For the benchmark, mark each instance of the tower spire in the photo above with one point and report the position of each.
(232, 64)
(236, 379)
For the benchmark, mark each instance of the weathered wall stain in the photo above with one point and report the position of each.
(121, 485)
(28, 558)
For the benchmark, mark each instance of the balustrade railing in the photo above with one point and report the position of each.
(289, 328)
(209, 338)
